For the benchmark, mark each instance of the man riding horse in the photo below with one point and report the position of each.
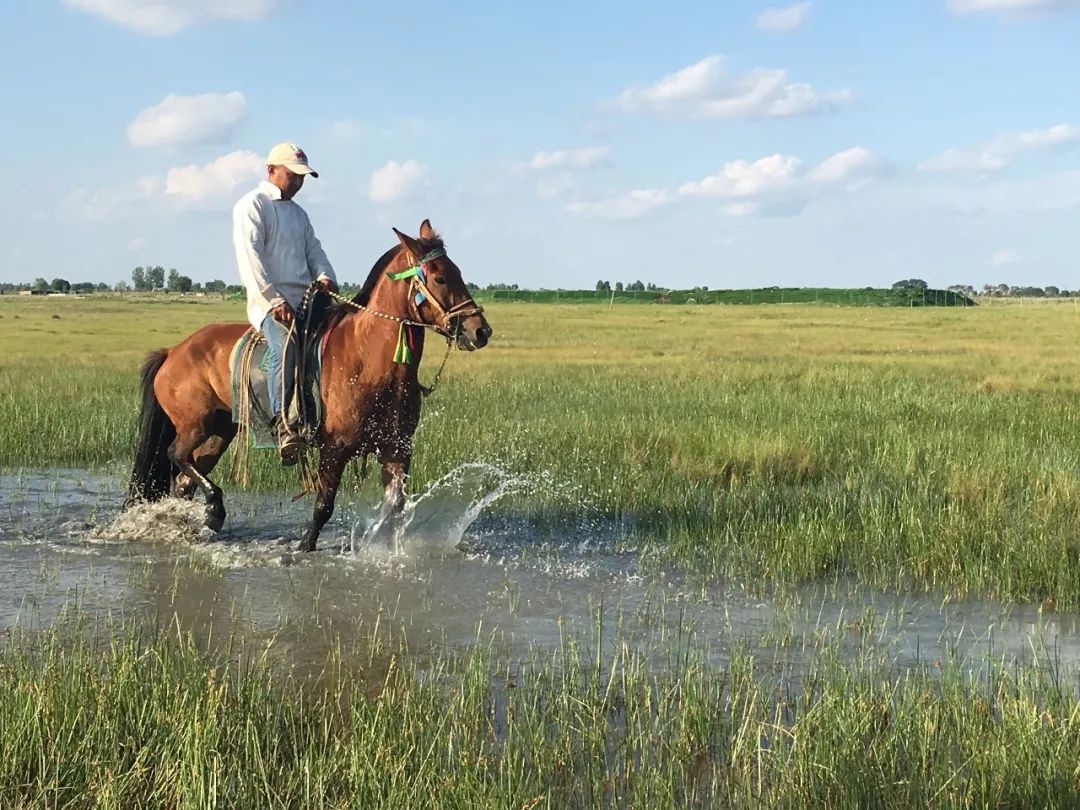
(278, 257)
(369, 385)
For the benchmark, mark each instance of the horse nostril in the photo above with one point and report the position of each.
(481, 339)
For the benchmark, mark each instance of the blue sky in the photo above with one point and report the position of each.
(727, 144)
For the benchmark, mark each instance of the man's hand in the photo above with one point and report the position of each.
(283, 312)
(327, 284)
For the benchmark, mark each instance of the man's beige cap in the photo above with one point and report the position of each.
(292, 157)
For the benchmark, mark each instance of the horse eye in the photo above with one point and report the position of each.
(440, 280)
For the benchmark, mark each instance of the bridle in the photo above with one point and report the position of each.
(419, 294)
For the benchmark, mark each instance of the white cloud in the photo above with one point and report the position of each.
(633, 205)
(1005, 258)
(740, 178)
(396, 181)
(206, 118)
(998, 153)
(556, 171)
(585, 157)
(165, 17)
(851, 168)
(783, 18)
(982, 161)
(778, 184)
(136, 244)
(784, 178)
(215, 185)
(215, 180)
(1043, 138)
(1011, 7)
(705, 90)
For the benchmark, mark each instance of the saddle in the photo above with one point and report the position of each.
(250, 384)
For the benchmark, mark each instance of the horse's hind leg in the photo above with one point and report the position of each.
(207, 454)
(197, 437)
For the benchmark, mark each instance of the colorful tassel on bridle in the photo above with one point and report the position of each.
(403, 353)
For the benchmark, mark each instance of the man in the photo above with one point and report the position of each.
(278, 257)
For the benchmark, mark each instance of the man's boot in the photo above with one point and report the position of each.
(288, 441)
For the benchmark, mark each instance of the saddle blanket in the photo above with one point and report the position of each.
(305, 406)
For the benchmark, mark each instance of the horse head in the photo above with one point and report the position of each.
(440, 296)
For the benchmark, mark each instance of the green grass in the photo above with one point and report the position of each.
(910, 448)
(155, 718)
(904, 447)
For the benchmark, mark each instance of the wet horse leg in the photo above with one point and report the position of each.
(206, 456)
(208, 453)
(394, 475)
(189, 438)
(332, 462)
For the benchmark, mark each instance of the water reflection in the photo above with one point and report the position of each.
(457, 578)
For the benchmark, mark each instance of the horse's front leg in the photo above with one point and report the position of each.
(332, 462)
(395, 473)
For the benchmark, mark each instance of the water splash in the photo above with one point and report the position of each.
(535, 590)
(170, 520)
(436, 520)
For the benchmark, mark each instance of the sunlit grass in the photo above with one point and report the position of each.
(153, 716)
(909, 447)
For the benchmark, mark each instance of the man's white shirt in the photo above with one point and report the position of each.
(277, 253)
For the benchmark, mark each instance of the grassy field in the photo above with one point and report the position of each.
(911, 448)
(908, 448)
(154, 718)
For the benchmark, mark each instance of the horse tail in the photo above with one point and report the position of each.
(152, 474)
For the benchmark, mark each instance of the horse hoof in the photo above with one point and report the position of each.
(307, 545)
(214, 522)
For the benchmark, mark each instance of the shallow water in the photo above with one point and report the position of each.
(456, 575)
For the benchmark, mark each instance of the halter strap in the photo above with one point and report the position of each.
(418, 275)
(417, 281)
(417, 269)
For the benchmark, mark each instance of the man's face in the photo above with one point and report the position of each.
(287, 181)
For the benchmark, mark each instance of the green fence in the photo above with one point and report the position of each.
(766, 295)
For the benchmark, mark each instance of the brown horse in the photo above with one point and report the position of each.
(371, 401)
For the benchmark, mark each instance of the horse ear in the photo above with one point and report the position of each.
(409, 243)
(426, 231)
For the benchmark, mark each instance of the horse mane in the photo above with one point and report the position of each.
(364, 295)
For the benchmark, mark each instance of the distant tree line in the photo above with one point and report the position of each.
(1012, 291)
(993, 290)
(633, 286)
(57, 285)
(152, 278)
(143, 279)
